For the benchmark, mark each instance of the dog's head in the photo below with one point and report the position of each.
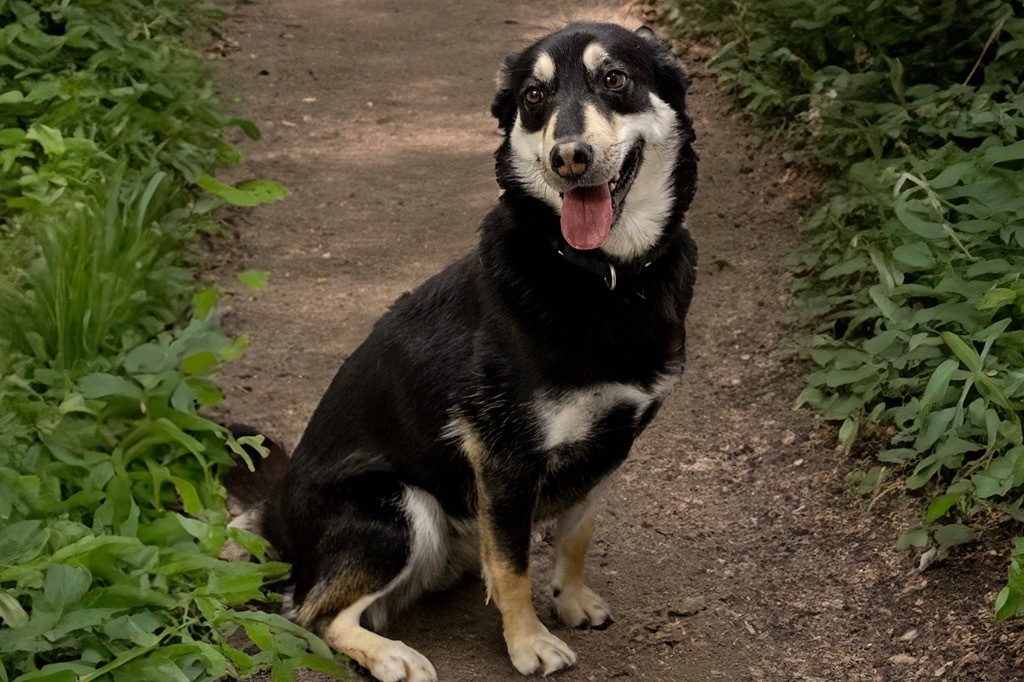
(596, 126)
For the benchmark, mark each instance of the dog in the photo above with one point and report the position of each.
(505, 391)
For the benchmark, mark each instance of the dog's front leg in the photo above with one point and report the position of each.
(576, 604)
(505, 517)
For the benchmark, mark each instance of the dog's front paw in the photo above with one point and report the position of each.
(540, 652)
(581, 607)
(398, 662)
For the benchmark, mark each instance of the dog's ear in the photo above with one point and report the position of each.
(669, 73)
(672, 83)
(503, 107)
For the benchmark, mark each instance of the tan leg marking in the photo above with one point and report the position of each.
(343, 590)
(531, 647)
(387, 660)
(576, 604)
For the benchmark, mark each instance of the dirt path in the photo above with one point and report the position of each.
(729, 548)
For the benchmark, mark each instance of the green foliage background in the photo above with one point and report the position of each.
(111, 513)
(909, 275)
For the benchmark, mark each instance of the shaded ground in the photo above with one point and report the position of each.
(729, 549)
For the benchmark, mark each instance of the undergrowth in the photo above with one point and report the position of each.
(111, 512)
(909, 276)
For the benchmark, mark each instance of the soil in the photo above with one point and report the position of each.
(730, 548)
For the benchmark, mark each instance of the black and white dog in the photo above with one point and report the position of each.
(505, 390)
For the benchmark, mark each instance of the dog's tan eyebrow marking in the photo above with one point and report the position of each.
(595, 56)
(544, 68)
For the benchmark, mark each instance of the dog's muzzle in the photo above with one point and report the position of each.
(589, 212)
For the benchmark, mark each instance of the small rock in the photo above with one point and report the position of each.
(927, 559)
(690, 607)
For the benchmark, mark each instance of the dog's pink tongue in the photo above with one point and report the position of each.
(587, 216)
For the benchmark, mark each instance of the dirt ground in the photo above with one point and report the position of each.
(730, 548)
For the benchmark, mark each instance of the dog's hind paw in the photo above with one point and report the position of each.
(397, 662)
(582, 608)
(541, 652)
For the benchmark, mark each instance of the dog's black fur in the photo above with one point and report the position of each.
(467, 354)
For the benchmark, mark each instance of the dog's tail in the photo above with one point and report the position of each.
(251, 488)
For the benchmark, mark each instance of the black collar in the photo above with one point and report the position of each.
(596, 262)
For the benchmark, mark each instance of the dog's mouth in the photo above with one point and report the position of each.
(588, 213)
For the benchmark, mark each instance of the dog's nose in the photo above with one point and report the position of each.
(571, 159)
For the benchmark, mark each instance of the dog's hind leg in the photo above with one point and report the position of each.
(576, 604)
(385, 552)
(387, 660)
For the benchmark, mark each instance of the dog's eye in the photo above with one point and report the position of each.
(614, 80)
(534, 96)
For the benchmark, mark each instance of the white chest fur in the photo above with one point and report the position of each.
(570, 417)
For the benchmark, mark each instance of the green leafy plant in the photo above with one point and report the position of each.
(112, 515)
(108, 559)
(909, 274)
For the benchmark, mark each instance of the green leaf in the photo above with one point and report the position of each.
(954, 534)
(928, 229)
(234, 350)
(254, 279)
(809, 396)
(986, 485)
(940, 506)
(916, 254)
(203, 302)
(927, 467)
(938, 383)
(251, 130)
(12, 613)
(206, 392)
(189, 496)
(1004, 153)
(102, 385)
(962, 350)
(882, 342)
(1008, 603)
(897, 455)
(917, 538)
(249, 193)
(259, 634)
(848, 434)
(22, 541)
(1018, 547)
(199, 363)
(49, 138)
(138, 629)
(65, 585)
(149, 358)
(844, 377)
(997, 297)
(56, 672)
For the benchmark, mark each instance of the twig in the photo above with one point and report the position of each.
(988, 43)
